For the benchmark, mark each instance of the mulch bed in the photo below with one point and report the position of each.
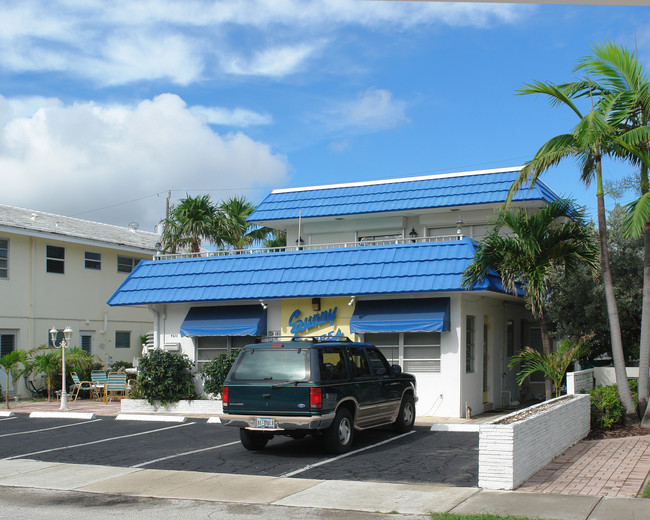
(616, 433)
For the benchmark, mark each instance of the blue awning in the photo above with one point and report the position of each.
(240, 320)
(424, 315)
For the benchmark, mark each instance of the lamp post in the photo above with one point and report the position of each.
(65, 343)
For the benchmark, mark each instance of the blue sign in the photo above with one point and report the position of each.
(320, 318)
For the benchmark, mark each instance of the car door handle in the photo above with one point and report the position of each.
(266, 396)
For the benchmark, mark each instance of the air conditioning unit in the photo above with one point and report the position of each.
(172, 347)
(274, 334)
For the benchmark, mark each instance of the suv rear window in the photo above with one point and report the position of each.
(272, 364)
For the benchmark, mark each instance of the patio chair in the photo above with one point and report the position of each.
(98, 379)
(79, 385)
(115, 386)
(36, 392)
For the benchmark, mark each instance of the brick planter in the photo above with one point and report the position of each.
(194, 407)
(509, 454)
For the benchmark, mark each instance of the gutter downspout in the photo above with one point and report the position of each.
(102, 332)
(156, 326)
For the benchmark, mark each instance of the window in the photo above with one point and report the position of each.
(55, 259)
(126, 264)
(378, 364)
(7, 342)
(209, 347)
(359, 366)
(93, 261)
(4, 258)
(380, 239)
(510, 338)
(123, 339)
(414, 351)
(86, 341)
(332, 364)
(470, 339)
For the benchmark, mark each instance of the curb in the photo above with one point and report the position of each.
(214, 420)
(454, 428)
(150, 418)
(61, 415)
(7, 414)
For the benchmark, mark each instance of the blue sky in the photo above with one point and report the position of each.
(105, 106)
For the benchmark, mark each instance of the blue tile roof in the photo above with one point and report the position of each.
(396, 195)
(389, 269)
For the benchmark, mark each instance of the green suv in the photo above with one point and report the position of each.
(327, 389)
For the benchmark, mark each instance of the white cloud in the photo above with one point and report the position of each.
(239, 117)
(125, 41)
(374, 110)
(72, 158)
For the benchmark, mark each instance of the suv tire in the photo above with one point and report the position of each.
(406, 416)
(338, 437)
(254, 441)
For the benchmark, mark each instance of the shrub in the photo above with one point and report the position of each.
(165, 376)
(215, 372)
(118, 366)
(606, 408)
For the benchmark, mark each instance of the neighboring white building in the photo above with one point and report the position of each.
(377, 261)
(57, 271)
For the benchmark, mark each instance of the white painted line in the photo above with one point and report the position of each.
(97, 442)
(339, 457)
(7, 414)
(454, 428)
(8, 418)
(214, 420)
(48, 429)
(183, 454)
(149, 417)
(62, 415)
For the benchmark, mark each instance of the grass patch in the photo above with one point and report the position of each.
(646, 491)
(482, 516)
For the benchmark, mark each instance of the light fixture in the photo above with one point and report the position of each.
(264, 305)
(65, 343)
(300, 242)
(352, 300)
(158, 247)
(413, 234)
(315, 304)
(459, 228)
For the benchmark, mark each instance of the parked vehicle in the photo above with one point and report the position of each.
(328, 389)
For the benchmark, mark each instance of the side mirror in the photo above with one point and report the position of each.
(396, 369)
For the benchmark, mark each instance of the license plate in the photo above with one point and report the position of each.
(265, 422)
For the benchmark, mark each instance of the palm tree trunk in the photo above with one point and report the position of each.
(644, 343)
(546, 346)
(622, 382)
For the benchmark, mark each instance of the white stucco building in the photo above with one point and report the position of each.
(377, 261)
(59, 271)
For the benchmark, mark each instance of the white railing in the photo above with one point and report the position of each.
(307, 247)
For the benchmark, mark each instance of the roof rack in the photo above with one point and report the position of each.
(309, 339)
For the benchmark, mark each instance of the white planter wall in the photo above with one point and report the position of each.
(509, 454)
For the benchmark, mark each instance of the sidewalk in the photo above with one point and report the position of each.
(593, 480)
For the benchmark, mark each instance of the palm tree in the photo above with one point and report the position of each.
(590, 140)
(48, 362)
(193, 220)
(618, 74)
(234, 231)
(525, 256)
(553, 365)
(14, 364)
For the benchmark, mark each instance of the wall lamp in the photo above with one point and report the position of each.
(413, 234)
(352, 300)
(459, 228)
(315, 304)
(264, 305)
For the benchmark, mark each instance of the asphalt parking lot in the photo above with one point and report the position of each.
(378, 455)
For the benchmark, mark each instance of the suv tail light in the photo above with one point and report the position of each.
(315, 398)
(224, 396)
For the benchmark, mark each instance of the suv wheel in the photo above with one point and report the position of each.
(406, 415)
(338, 437)
(253, 441)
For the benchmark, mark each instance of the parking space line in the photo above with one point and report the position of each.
(183, 454)
(333, 459)
(98, 441)
(47, 429)
(7, 419)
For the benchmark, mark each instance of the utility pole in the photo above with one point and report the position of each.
(169, 196)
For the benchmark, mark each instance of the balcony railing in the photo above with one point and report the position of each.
(307, 247)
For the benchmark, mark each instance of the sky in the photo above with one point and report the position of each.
(106, 107)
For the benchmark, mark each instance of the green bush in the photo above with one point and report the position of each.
(215, 372)
(606, 408)
(121, 365)
(165, 377)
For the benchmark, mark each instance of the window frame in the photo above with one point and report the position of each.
(400, 347)
(90, 261)
(117, 343)
(87, 334)
(133, 263)
(8, 332)
(51, 261)
(4, 259)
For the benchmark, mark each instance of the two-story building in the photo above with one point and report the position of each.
(57, 271)
(377, 261)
